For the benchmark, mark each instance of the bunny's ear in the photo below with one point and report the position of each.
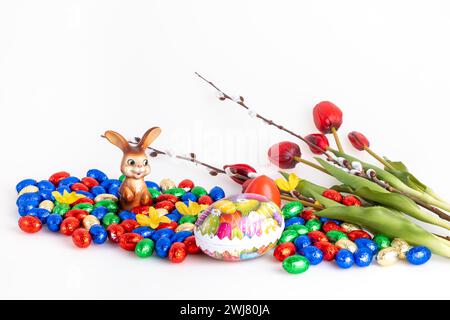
(117, 139)
(148, 138)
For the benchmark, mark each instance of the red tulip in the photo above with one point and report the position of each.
(318, 139)
(327, 116)
(358, 140)
(284, 154)
(239, 172)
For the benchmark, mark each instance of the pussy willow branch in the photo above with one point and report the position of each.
(192, 158)
(241, 102)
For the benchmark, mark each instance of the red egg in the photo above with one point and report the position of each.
(83, 200)
(77, 213)
(115, 231)
(351, 201)
(331, 225)
(69, 225)
(168, 225)
(141, 210)
(128, 241)
(308, 215)
(329, 250)
(205, 200)
(57, 177)
(81, 238)
(177, 252)
(317, 236)
(79, 186)
(284, 250)
(167, 197)
(191, 245)
(186, 184)
(333, 195)
(129, 225)
(265, 186)
(356, 234)
(89, 182)
(168, 205)
(30, 224)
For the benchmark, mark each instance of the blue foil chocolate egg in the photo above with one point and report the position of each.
(367, 243)
(302, 242)
(363, 257)
(54, 222)
(98, 234)
(217, 193)
(97, 175)
(313, 254)
(344, 259)
(162, 247)
(418, 255)
(25, 183)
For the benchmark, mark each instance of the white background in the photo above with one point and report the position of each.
(69, 70)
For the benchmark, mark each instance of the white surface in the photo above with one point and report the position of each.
(69, 70)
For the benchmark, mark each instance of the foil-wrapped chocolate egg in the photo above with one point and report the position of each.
(401, 246)
(387, 257)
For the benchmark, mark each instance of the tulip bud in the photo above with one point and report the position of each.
(283, 154)
(358, 140)
(239, 172)
(327, 116)
(319, 140)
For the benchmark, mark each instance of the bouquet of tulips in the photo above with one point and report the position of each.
(377, 198)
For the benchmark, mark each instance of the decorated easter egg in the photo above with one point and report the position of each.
(239, 227)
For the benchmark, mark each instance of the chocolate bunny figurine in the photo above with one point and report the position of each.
(135, 166)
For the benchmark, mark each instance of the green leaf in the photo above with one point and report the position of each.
(343, 188)
(397, 165)
(349, 179)
(401, 172)
(401, 203)
(390, 223)
(428, 197)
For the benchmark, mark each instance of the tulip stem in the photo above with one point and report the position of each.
(380, 159)
(305, 203)
(336, 138)
(312, 165)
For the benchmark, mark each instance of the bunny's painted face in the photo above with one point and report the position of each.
(135, 166)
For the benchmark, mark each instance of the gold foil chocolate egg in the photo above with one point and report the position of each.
(166, 184)
(401, 246)
(105, 196)
(348, 227)
(187, 226)
(47, 204)
(387, 257)
(89, 221)
(28, 189)
(345, 243)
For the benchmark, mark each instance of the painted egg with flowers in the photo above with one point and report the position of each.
(239, 227)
